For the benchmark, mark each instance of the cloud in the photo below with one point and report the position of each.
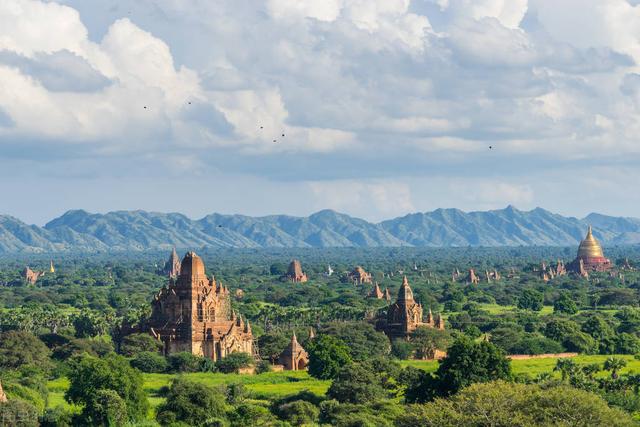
(60, 71)
(367, 92)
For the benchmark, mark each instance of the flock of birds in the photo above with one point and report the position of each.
(283, 135)
(261, 127)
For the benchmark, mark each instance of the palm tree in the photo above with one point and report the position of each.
(614, 364)
(566, 367)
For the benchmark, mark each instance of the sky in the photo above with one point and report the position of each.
(386, 106)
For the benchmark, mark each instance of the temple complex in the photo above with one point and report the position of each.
(172, 266)
(590, 257)
(295, 273)
(193, 314)
(359, 276)
(294, 357)
(405, 316)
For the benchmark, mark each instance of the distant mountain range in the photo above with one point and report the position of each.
(78, 230)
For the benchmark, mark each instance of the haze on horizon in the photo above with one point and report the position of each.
(387, 106)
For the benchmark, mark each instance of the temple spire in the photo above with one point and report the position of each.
(405, 293)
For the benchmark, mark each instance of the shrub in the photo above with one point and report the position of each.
(356, 384)
(191, 403)
(137, 343)
(299, 412)
(184, 362)
(233, 362)
(150, 362)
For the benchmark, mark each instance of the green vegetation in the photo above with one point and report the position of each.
(66, 358)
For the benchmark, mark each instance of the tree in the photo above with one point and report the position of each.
(565, 304)
(234, 361)
(271, 344)
(614, 364)
(467, 362)
(356, 384)
(535, 344)
(191, 403)
(401, 349)
(18, 413)
(363, 340)
(106, 408)
(508, 404)
(530, 299)
(149, 362)
(298, 412)
(566, 367)
(19, 348)
(184, 362)
(137, 343)
(600, 331)
(627, 344)
(426, 341)
(90, 324)
(327, 355)
(89, 375)
(248, 414)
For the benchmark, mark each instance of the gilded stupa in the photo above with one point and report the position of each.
(590, 256)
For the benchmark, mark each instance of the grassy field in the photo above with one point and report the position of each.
(276, 384)
(496, 309)
(264, 386)
(534, 367)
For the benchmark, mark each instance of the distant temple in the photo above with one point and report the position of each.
(375, 292)
(548, 273)
(405, 316)
(3, 396)
(590, 257)
(52, 269)
(30, 276)
(472, 277)
(294, 357)
(359, 276)
(193, 314)
(295, 273)
(172, 266)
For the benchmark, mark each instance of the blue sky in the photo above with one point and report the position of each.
(387, 106)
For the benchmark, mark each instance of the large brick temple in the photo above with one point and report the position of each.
(406, 315)
(590, 257)
(193, 313)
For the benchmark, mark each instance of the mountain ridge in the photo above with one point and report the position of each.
(139, 230)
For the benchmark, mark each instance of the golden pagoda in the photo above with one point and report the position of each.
(590, 247)
(52, 269)
(590, 255)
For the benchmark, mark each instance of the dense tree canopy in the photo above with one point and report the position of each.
(89, 376)
(327, 356)
(506, 404)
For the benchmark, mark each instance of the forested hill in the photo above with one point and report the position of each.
(139, 230)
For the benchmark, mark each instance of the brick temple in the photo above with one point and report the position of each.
(406, 315)
(193, 313)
